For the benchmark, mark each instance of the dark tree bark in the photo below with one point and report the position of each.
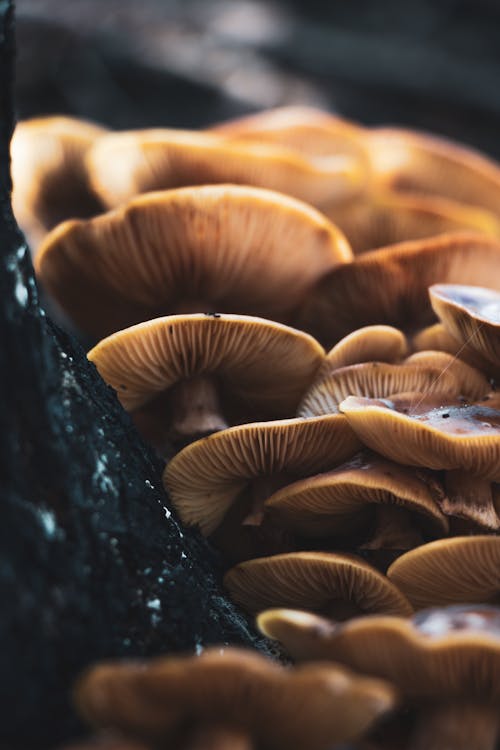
(92, 562)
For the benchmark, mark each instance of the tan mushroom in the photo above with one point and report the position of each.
(122, 165)
(390, 285)
(472, 383)
(231, 700)
(436, 337)
(445, 662)
(223, 247)
(200, 372)
(48, 173)
(368, 344)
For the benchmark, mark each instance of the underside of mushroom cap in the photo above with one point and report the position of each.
(472, 384)
(207, 477)
(390, 286)
(121, 165)
(450, 571)
(200, 249)
(436, 436)
(437, 337)
(327, 582)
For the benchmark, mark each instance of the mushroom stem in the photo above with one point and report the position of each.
(393, 530)
(341, 610)
(196, 410)
(471, 498)
(261, 489)
(219, 738)
(457, 726)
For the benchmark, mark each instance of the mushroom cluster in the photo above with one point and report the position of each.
(303, 316)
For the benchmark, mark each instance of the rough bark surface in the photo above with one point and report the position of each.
(92, 562)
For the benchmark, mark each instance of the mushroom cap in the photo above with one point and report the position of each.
(227, 247)
(368, 344)
(327, 503)
(436, 436)
(48, 174)
(313, 580)
(437, 655)
(121, 165)
(390, 285)
(307, 708)
(450, 571)
(374, 380)
(383, 218)
(206, 477)
(471, 382)
(406, 160)
(437, 338)
(472, 315)
(260, 362)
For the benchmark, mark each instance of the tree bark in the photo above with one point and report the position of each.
(92, 562)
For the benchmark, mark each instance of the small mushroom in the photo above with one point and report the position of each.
(368, 344)
(436, 337)
(333, 584)
(390, 286)
(472, 384)
(399, 499)
(231, 700)
(445, 662)
(205, 367)
(48, 173)
(121, 165)
(201, 249)
(450, 571)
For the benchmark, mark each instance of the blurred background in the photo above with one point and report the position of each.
(430, 64)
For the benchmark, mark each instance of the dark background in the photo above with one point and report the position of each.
(430, 64)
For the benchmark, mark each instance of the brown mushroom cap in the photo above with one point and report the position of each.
(383, 218)
(121, 165)
(49, 178)
(390, 285)
(471, 382)
(206, 477)
(262, 363)
(320, 581)
(368, 344)
(328, 503)
(436, 337)
(417, 162)
(447, 436)
(374, 380)
(220, 247)
(472, 315)
(307, 708)
(450, 571)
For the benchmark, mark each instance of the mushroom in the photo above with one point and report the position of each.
(390, 285)
(445, 662)
(368, 344)
(408, 161)
(472, 315)
(201, 249)
(431, 433)
(472, 384)
(436, 337)
(450, 571)
(121, 165)
(231, 700)
(242, 466)
(200, 368)
(48, 173)
(398, 502)
(333, 584)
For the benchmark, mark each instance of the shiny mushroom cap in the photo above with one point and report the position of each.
(390, 285)
(170, 700)
(198, 249)
(207, 477)
(336, 584)
(121, 165)
(48, 174)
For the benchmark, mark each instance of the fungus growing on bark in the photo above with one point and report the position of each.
(231, 700)
(201, 249)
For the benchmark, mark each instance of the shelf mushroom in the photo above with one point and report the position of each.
(48, 173)
(186, 374)
(445, 662)
(200, 249)
(450, 571)
(390, 286)
(334, 584)
(224, 479)
(121, 165)
(230, 699)
(426, 431)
